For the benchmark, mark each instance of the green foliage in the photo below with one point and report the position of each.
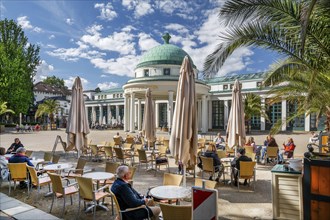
(54, 81)
(4, 109)
(49, 107)
(298, 30)
(18, 62)
(253, 107)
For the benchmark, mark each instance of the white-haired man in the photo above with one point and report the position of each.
(129, 198)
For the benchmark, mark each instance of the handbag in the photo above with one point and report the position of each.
(4, 174)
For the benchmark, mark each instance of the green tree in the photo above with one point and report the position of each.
(54, 81)
(49, 107)
(298, 30)
(18, 62)
(252, 107)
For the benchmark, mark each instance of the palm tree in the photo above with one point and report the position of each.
(296, 29)
(49, 107)
(252, 107)
(4, 109)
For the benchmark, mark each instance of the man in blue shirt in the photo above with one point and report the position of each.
(129, 198)
(20, 157)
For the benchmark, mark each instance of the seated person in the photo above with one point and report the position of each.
(20, 157)
(269, 142)
(256, 149)
(219, 142)
(3, 160)
(120, 137)
(212, 152)
(138, 138)
(314, 138)
(37, 127)
(14, 146)
(288, 149)
(235, 164)
(129, 198)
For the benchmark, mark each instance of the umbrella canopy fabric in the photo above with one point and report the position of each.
(236, 126)
(77, 128)
(183, 140)
(149, 125)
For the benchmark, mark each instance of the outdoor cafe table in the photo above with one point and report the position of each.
(98, 176)
(227, 165)
(170, 192)
(58, 167)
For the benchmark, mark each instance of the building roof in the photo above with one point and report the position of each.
(240, 77)
(113, 90)
(43, 87)
(163, 54)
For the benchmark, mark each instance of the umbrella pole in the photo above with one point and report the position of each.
(184, 175)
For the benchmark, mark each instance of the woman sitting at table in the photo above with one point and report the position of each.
(288, 149)
(3, 160)
(218, 166)
(14, 146)
(256, 149)
(129, 198)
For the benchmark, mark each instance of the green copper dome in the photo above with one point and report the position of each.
(163, 54)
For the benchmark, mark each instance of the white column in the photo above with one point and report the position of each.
(126, 112)
(283, 115)
(132, 113)
(204, 114)
(170, 109)
(101, 114)
(93, 112)
(262, 118)
(117, 111)
(210, 114)
(226, 114)
(157, 115)
(307, 122)
(108, 112)
(199, 114)
(139, 115)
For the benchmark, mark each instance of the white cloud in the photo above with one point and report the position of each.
(104, 76)
(74, 54)
(69, 21)
(121, 42)
(69, 82)
(25, 23)
(146, 42)
(107, 85)
(51, 37)
(43, 71)
(207, 35)
(178, 28)
(106, 11)
(122, 66)
(141, 7)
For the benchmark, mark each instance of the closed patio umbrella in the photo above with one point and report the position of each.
(236, 126)
(77, 128)
(149, 125)
(183, 140)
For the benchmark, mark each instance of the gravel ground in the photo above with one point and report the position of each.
(232, 204)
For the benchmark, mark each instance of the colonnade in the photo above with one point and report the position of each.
(102, 113)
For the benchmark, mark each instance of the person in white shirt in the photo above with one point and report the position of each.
(220, 142)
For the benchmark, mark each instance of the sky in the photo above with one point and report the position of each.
(103, 41)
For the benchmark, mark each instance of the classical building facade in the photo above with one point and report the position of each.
(159, 70)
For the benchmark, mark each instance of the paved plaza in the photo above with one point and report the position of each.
(232, 204)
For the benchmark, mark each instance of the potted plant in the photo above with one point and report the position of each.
(3, 110)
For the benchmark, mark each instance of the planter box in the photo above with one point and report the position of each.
(316, 188)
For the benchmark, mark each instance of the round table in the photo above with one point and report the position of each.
(99, 175)
(170, 192)
(57, 167)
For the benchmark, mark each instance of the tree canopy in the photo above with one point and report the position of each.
(54, 81)
(298, 30)
(18, 62)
